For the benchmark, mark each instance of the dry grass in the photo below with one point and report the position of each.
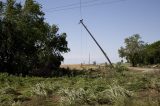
(110, 87)
(80, 66)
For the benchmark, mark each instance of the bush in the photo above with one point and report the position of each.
(120, 68)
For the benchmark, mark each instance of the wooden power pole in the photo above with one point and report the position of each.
(81, 21)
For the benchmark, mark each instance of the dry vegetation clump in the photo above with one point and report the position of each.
(102, 86)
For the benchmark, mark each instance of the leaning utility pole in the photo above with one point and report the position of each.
(81, 21)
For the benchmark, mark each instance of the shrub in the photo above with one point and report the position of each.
(113, 95)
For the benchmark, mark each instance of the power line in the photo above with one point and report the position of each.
(72, 4)
(84, 4)
(80, 4)
(67, 7)
(80, 8)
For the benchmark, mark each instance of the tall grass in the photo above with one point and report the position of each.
(113, 87)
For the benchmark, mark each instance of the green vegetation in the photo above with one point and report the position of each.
(108, 87)
(28, 45)
(137, 52)
(152, 53)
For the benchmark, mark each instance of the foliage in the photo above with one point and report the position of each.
(137, 52)
(27, 42)
(133, 50)
(120, 68)
(152, 53)
(124, 87)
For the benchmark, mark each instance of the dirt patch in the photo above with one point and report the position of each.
(149, 93)
(144, 70)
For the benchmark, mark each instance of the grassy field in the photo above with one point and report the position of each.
(92, 85)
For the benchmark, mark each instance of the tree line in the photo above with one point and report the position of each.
(137, 52)
(27, 42)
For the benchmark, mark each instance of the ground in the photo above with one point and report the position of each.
(93, 85)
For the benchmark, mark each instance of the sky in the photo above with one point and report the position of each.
(110, 22)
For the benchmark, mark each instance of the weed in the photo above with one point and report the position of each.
(107, 86)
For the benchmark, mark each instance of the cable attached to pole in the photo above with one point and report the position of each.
(80, 8)
(80, 5)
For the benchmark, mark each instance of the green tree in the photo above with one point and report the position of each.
(27, 42)
(133, 50)
(152, 53)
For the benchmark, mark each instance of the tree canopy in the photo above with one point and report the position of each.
(137, 52)
(152, 53)
(132, 50)
(27, 42)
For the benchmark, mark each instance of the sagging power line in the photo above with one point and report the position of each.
(84, 5)
(74, 4)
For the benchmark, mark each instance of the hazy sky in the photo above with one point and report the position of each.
(110, 21)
